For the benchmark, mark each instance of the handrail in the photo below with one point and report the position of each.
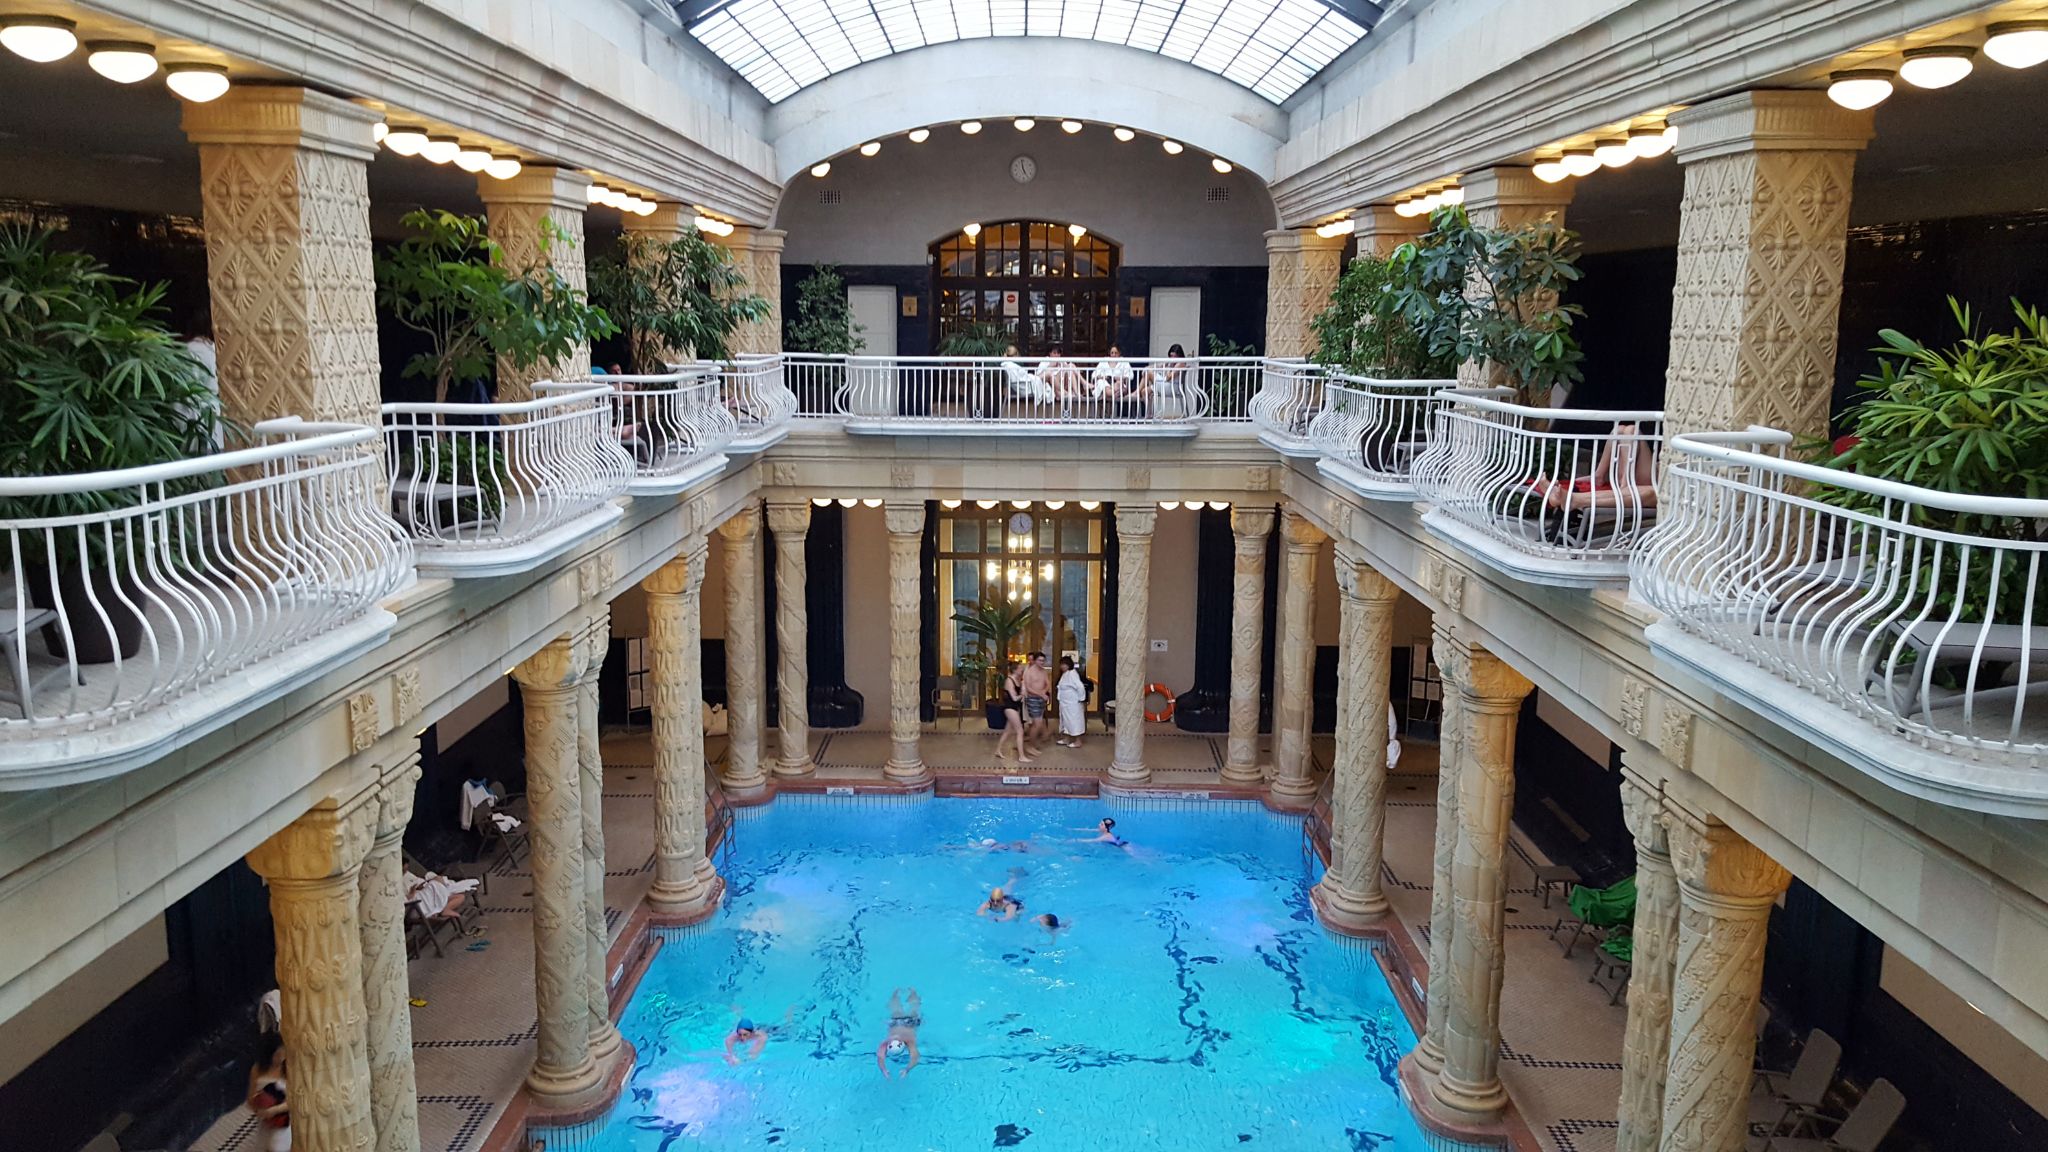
(1376, 428)
(1129, 393)
(1711, 446)
(80, 482)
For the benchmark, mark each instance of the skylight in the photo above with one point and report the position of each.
(1272, 47)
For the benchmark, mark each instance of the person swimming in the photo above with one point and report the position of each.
(1105, 833)
(900, 1043)
(745, 1034)
(1051, 922)
(1001, 902)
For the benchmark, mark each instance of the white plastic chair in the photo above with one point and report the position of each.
(1862, 1130)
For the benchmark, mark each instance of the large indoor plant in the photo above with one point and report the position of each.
(675, 299)
(94, 382)
(823, 322)
(1363, 331)
(994, 626)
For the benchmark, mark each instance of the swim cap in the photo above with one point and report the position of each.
(897, 1046)
(746, 1025)
(986, 842)
(996, 894)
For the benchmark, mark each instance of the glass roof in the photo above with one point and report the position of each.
(1272, 47)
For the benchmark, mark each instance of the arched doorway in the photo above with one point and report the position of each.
(1032, 283)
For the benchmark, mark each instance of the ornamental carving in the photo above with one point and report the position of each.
(405, 694)
(782, 474)
(364, 725)
(596, 575)
(1634, 699)
(1674, 733)
(1301, 272)
(790, 521)
(903, 474)
(516, 227)
(1138, 479)
(1258, 478)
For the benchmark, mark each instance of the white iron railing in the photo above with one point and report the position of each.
(1370, 431)
(673, 426)
(753, 390)
(980, 394)
(1289, 400)
(1557, 494)
(124, 592)
(491, 488)
(1924, 612)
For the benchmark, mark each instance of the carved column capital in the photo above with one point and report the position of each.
(1300, 532)
(1714, 862)
(743, 525)
(559, 666)
(1360, 579)
(1251, 527)
(596, 643)
(1477, 674)
(1770, 120)
(683, 575)
(327, 843)
(666, 223)
(1136, 523)
(789, 520)
(295, 117)
(1379, 229)
(904, 518)
(1642, 809)
(1510, 195)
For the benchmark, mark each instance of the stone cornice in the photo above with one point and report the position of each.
(1770, 120)
(289, 116)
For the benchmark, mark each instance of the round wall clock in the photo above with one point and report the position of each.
(1023, 169)
(1021, 523)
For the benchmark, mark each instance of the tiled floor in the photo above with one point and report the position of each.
(473, 1038)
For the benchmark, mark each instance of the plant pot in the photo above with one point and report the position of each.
(75, 600)
(993, 713)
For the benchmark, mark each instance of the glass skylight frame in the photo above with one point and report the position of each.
(1272, 47)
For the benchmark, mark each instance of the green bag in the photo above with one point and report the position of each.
(1605, 907)
(1622, 948)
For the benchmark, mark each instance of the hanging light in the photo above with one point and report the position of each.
(1168, 505)
(122, 61)
(949, 504)
(1613, 152)
(406, 139)
(1405, 208)
(972, 230)
(1070, 126)
(41, 39)
(503, 167)
(871, 147)
(1860, 88)
(714, 227)
(1055, 505)
(1219, 505)
(821, 501)
(1090, 505)
(2015, 43)
(1937, 67)
(970, 126)
(1335, 228)
(1549, 171)
(1222, 166)
(1650, 143)
(440, 149)
(1123, 134)
(1172, 147)
(1580, 162)
(472, 159)
(986, 503)
(1024, 123)
(644, 208)
(1020, 505)
(821, 168)
(1077, 230)
(920, 135)
(1430, 202)
(870, 502)
(1452, 196)
(379, 131)
(199, 83)
(847, 501)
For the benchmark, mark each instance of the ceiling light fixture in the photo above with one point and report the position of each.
(949, 503)
(1055, 505)
(1613, 152)
(594, 194)
(198, 83)
(985, 504)
(1860, 88)
(1071, 126)
(1090, 505)
(1431, 201)
(41, 39)
(714, 227)
(645, 208)
(970, 127)
(1407, 208)
(1335, 228)
(122, 61)
(1452, 197)
(871, 147)
(405, 139)
(847, 501)
(1550, 170)
(1649, 143)
(379, 131)
(1168, 505)
(1937, 67)
(2015, 43)
(920, 135)
(972, 230)
(821, 501)
(1580, 162)
(1222, 166)
(503, 167)
(472, 159)
(821, 168)
(1172, 147)
(440, 149)
(1024, 123)
(1077, 230)
(1123, 134)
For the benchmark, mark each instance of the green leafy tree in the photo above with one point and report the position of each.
(824, 322)
(450, 282)
(1491, 295)
(995, 625)
(681, 298)
(1365, 332)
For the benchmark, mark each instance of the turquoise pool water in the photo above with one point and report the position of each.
(1193, 1003)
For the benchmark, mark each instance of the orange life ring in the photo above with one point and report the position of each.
(1164, 714)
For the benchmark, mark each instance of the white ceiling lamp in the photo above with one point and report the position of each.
(379, 131)
(972, 230)
(40, 39)
(985, 504)
(1077, 230)
(970, 127)
(472, 159)
(1090, 505)
(1407, 208)
(1550, 170)
(949, 503)
(821, 501)
(441, 149)
(1580, 162)
(1860, 88)
(503, 167)
(1937, 67)
(1452, 197)
(1172, 147)
(1055, 505)
(870, 502)
(847, 501)
(594, 194)
(1650, 143)
(1024, 123)
(644, 207)
(1071, 126)
(920, 135)
(871, 147)
(821, 168)
(714, 227)
(1168, 505)
(122, 61)
(1222, 166)
(198, 83)
(2015, 43)
(1123, 134)
(405, 139)
(1336, 228)
(1613, 152)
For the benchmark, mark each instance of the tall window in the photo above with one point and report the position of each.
(1038, 282)
(1043, 561)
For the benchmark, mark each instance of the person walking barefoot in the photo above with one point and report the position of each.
(1013, 717)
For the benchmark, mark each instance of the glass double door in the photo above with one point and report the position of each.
(1034, 572)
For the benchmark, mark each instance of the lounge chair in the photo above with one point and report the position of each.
(1862, 1130)
(1776, 1098)
(1598, 911)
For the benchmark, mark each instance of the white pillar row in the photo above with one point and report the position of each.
(1294, 673)
(605, 1042)
(742, 533)
(1646, 1043)
(686, 887)
(905, 521)
(791, 524)
(1348, 897)
(1133, 603)
(394, 1106)
(1250, 527)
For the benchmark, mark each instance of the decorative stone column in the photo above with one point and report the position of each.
(1301, 272)
(1428, 1057)
(665, 225)
(1468, 1090)
(1380, 229)
(906, 543)
(1133, 637)
(516, 208)
(791, 523)
(1250, 527)
(686, 888)
(284, 187)
(742, 533)
(564, 1075)
(1508, 197)
(1646, 1045)
(1725, 891)
(1761, 236)
(757, 254)
(1294, 672)
(1348, 897)
(597, 938)
(394, 1103)
(311, 866)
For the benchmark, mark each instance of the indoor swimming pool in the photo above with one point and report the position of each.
(1190, 1001)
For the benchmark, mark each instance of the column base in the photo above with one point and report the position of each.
(803, 767)
(1127, 775)
(1466, 1105)
(689, 903)
(565, 1089)
(606, 1045)
(1417, 1091)
(1427, 1057)
(1291, 795)
(911, 772)
(1243, 775)
(1346, 912)
(747, 785)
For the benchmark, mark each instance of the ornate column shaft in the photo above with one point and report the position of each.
(1762, 233)
(1646, 1045)
(517, 208)
(1133, 604)
(685, 887)
(742, 534)
(394, 1099)
(1725, 891)
(1491, 694)
(284, 185)
(312, 867)
(1349, 897)
(564, 1075)
(1301, 272)
(757, 253)
(1507, 197)
(1380, 229)
(791, 524)
(906, 543)
(604, 1035)
(1443, 929)
(1294, 671)
(1250, 528)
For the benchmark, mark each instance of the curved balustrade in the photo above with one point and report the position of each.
(959, 395)
(753, 390)
(148, 603)
(1289, 400)
(1370, 431)
(674, 427)
(492, 489)
(1922, 616)
(1549, 495)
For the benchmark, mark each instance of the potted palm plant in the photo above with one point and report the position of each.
(93, 382)
(994, 626)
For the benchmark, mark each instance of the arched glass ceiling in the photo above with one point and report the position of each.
(1272, 47)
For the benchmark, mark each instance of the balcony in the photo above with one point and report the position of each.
(1558, 496)
(674, 427)
(1289, 400)
(1370, 432)
(753, 390)
(496, 489)
(992, 396)
(151, 605)
(1918, 619)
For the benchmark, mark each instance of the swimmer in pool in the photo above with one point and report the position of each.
(1105, 833)
(1002, 903)
(748, 1035)
(1051, 922)
(905, 1017)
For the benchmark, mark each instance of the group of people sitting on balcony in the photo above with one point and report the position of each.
(1113, 387)
(1618, 494)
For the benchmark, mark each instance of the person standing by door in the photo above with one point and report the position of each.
(1073, 704)
(1037, 694)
